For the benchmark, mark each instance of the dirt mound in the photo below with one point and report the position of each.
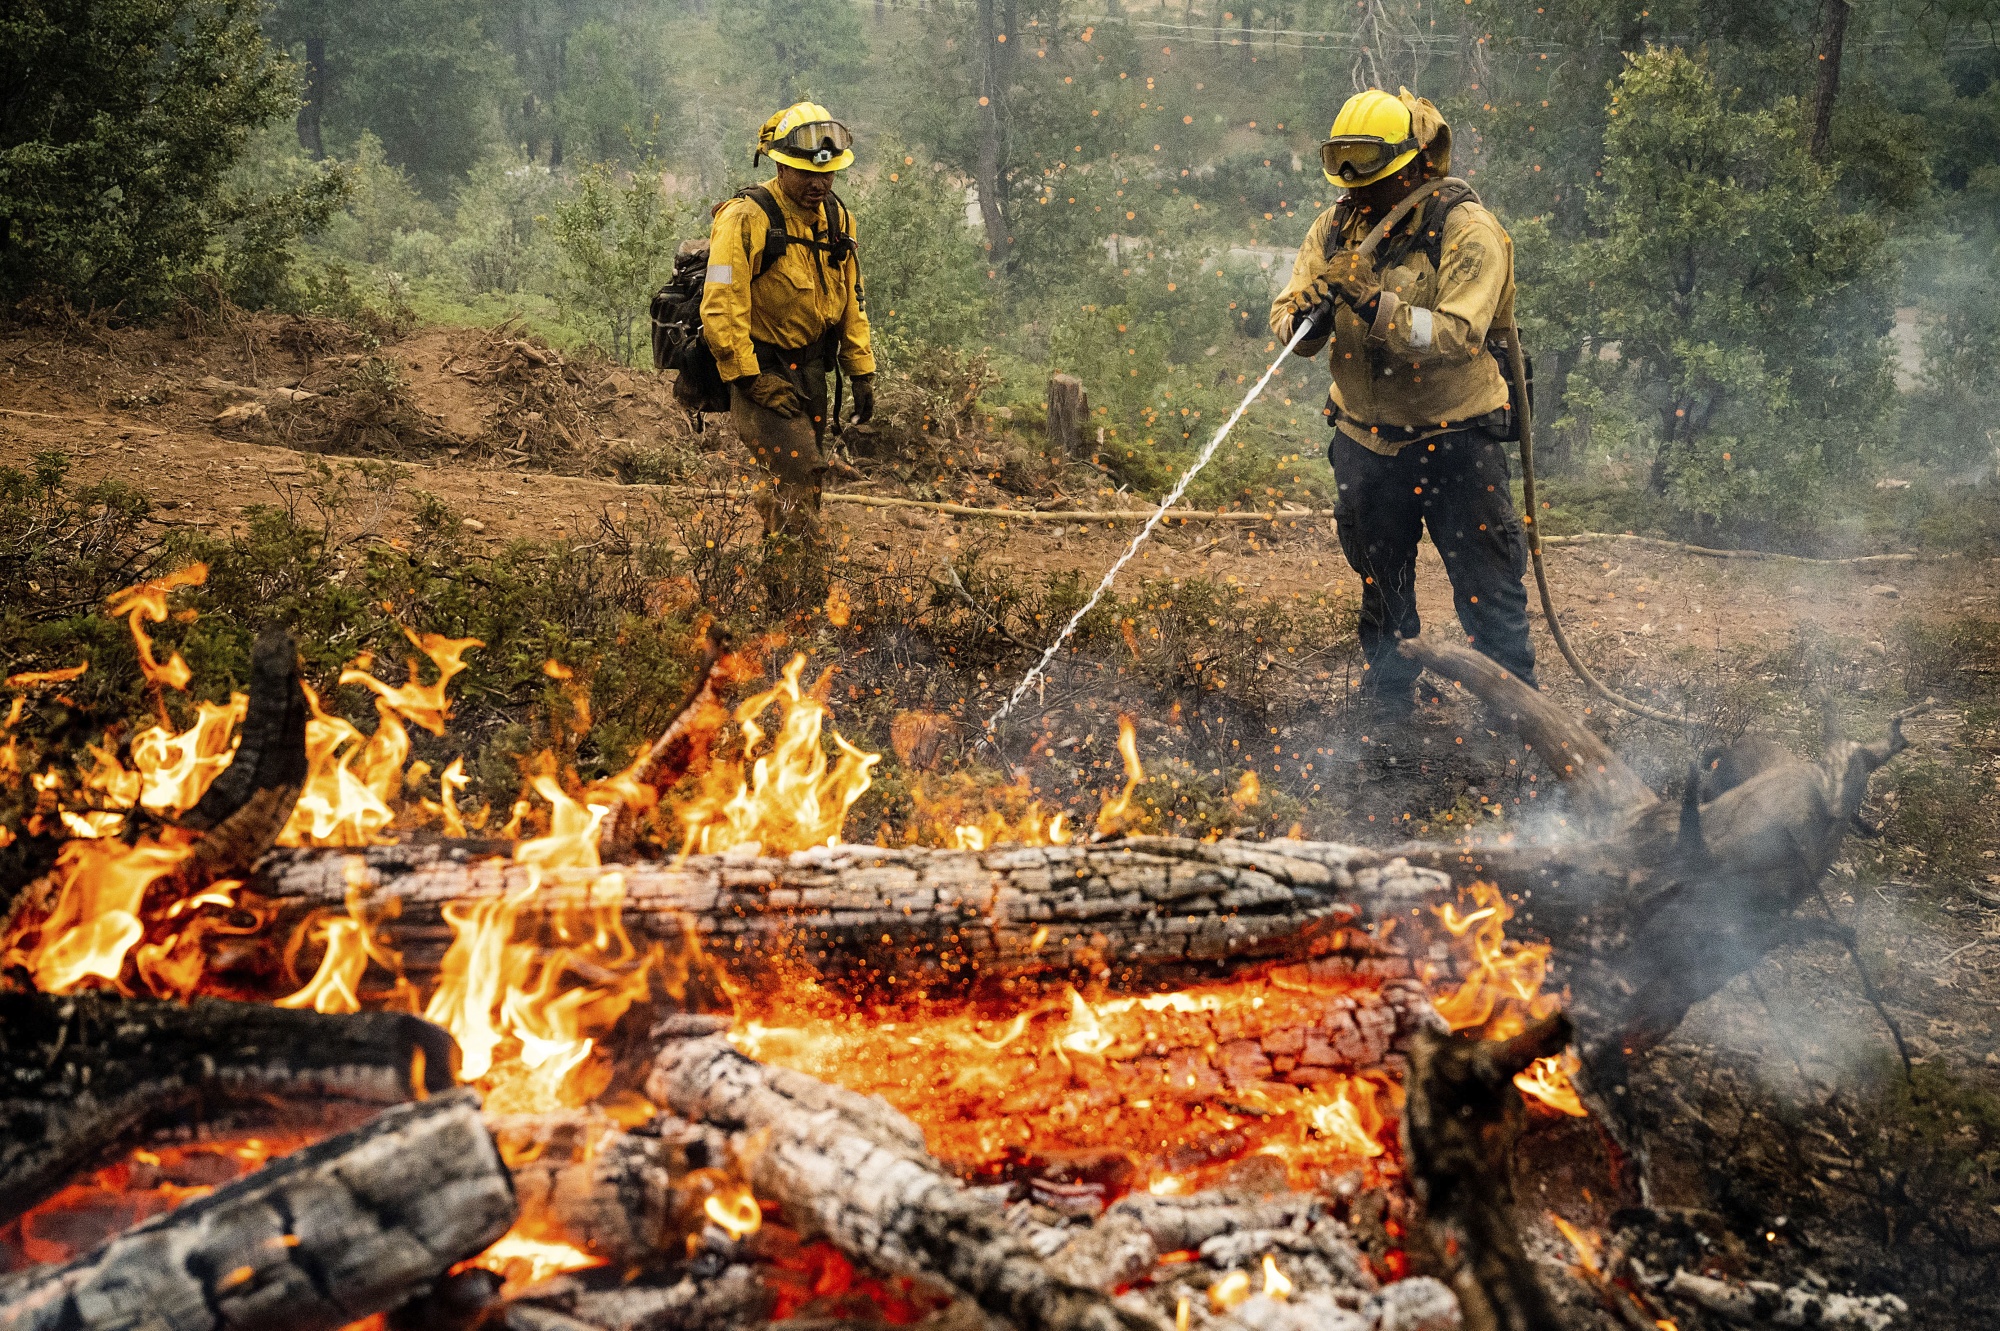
(493, 395)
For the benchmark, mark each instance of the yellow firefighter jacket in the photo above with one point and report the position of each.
(793, 303)
(1421, 367)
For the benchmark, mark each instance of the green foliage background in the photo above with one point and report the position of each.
(1715, 314)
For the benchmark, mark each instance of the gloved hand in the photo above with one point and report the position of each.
(864, 397)
(1313, 302)
(775, 394)
(1352, 280)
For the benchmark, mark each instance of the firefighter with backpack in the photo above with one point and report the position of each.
(1415, 318)
(782, 304)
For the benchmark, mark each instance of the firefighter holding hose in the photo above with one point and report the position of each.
(783, 304)
(1409, 314)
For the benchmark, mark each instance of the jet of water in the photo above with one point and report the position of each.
(1173, 497)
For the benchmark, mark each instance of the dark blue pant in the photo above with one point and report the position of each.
(1457, 483)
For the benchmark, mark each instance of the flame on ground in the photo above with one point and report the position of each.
(522, 1261)
(1117, 811)
(782, 797)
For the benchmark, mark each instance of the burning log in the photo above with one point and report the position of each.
(88, 1074)
(1667, 903)
(853, 1169)
(1460, 1124)
(1147, 906)
(336, 1232)
(242, 813)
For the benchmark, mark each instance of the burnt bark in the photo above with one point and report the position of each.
(248, 804)
(1826, 87)
(912, 919)
(89, 1075)
(1460, 1124)
(326, 1236)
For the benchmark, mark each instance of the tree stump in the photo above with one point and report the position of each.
(1069, 415)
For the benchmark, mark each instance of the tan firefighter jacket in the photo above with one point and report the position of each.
(793, 303)
(1421, 367)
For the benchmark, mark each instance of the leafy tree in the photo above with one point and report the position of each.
(120, 123)
(614, 244)
(420, 74)
(1750, 312)
(799, 48)
(615, 96)
(925, 276)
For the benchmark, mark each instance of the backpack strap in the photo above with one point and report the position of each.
(1428, 233)
(776, 238)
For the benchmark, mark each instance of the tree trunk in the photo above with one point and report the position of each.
(1149, 907)
(315, 98)
(1069, 416)
(1833, 38)
(989, 174)
(321, 1238)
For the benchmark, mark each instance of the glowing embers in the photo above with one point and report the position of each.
(1165, 1092)
(782, 797)
(1502, 991)
(522, 1261)
(107, 1202)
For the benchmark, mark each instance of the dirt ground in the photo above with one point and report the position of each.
(518, 448)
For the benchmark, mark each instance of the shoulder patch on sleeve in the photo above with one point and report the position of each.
(721, 274)
(1469, 260)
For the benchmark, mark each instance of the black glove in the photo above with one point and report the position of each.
(864, 397)
(775, 394)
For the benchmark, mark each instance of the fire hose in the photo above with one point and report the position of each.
(1517, 373)
(1517, 366)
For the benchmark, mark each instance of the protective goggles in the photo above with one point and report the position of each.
(818, 141)
(1356, 157)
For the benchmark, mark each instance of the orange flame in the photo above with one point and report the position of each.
(350, 944)
(735, 1209)
(1276, 1286)
(1588, 1246)
(1230, 1291)
(525, 1261)
(147, 602)
(500, 992)
(351, 779)
(1350, 1119)
(96, 921)
(1502, 991)
(787, 800)
(1113, 816)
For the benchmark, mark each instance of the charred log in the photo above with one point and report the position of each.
(248, 804)
(1143, 908)
(680, 746)
(339, 1231)
(1460, 1123)
(91, 1074)
(853, 1170)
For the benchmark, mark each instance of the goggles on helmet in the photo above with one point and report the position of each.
(818, 141)
(1356, 157)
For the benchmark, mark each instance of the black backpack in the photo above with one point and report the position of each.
(1429, 235)
(676, 309)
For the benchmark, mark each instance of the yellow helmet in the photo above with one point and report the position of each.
(806, 135)
(1374, 136)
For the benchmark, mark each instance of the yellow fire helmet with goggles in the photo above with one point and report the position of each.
(1376, 135)
(806, 136)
